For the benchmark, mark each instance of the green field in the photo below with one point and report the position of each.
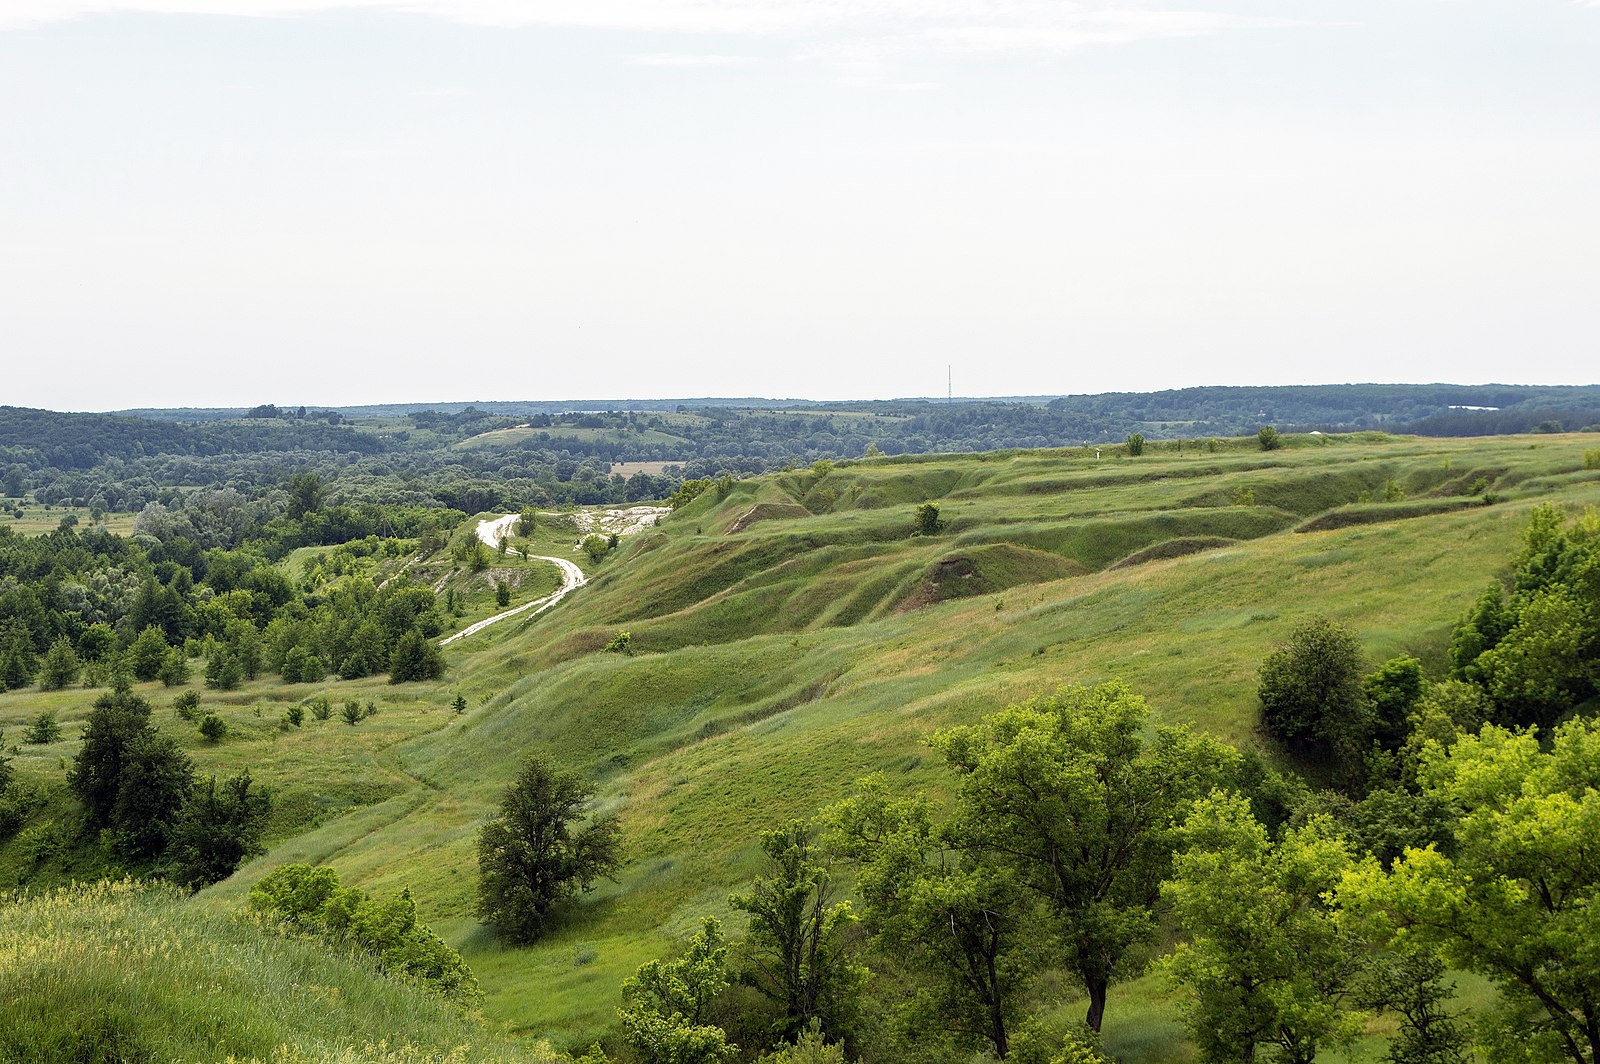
(794, 636)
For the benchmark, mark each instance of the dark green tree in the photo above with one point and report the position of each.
(117, 719)
(928, 522)
(797, 950)
(44, 729)
(147, 653)
(216, 831)
(18, 661)
(415, 657)
(61, 666)
(174, 668)
(1311, 694)
(541, 850)
(153, 784)
(502, 594)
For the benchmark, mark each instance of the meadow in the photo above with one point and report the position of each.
(792, 635)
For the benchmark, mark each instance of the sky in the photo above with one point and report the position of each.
(231, 202)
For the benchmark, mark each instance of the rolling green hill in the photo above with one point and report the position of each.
(792, 636)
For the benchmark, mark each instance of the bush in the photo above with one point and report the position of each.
(621, 643)
(595, 547)
(321, 708)
(44, 729)
(502, 594)
(213, 728)
(1135, 445)
(186, 704)
(352, 712)
(215, 833)
(310, 899)
(1269, 438)
(929, 523)
(296, 715)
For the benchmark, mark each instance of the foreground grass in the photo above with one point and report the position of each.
(121, 972)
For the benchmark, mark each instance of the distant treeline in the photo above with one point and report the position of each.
(558, 454)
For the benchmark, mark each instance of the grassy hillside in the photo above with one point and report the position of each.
(115, 972)
(793, 636)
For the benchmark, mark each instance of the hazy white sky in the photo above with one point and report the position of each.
(226, 202)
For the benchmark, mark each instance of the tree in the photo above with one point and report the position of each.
(1515, 902)
(18, 662)
(154, 782)
(174, 668)
(540, 851)
(1310, 690)
(956, 920)
(306, 494)
(1135, 445)
(1269, 438)
(147, 653)
(117, 719)
(667, 1003)
(352, 713)
(459, 704)
(415, 657)
(1267, 962)
(1078, 796)
(502, 594)
(1392, 691)
(224, 671)
(61, 666)
(527, 522)
(797, 952)
(929, 523)
(214, 833)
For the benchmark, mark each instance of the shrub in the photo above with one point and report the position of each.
(621, 643)
(186, 704)
(44, 729)
(174, 668)
(459, 703)
(310, 899)
(352, 712)
(321, 708)
(502, 594)
(296, 715)
(929, 523)
(1269, 438)
(595, 547)
(213, 728)
(1135, 445)
(61, 666)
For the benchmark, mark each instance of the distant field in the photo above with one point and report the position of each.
(524, 434)
(36, 519)
(628, 469)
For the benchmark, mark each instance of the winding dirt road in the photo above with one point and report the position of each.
(572, 578)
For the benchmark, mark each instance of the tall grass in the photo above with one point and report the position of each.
(117, 971)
